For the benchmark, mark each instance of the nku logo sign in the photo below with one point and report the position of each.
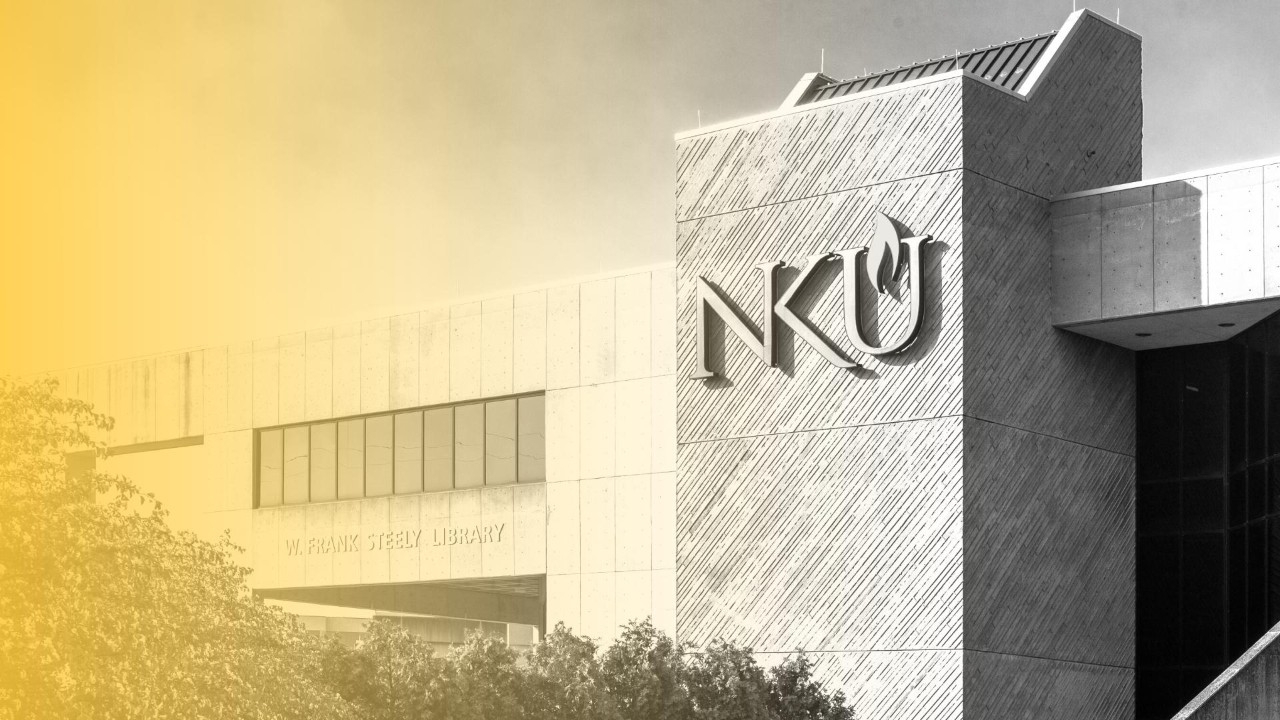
(880, 261)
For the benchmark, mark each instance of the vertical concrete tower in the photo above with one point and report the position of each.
(948, 529)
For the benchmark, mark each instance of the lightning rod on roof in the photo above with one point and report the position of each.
(699, 118)
(822, 60)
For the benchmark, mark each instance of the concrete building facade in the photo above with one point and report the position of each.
(904, 400)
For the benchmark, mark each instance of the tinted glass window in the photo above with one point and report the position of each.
(500, 442)
(350, 459)
(271, 468)
(437, 449)
(468, 445)
(409, 452)
(324, 462)
(297, 465)
(532, 446)
(378, 455)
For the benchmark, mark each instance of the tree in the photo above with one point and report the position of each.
(107, 612)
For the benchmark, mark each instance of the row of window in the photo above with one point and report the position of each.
(464, 446)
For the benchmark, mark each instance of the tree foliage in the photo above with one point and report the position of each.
(107, 612)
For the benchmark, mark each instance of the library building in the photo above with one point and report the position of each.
(935, 387)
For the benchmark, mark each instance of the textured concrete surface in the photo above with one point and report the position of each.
(1248, 690)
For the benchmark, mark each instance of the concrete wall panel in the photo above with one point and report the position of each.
(909, 684)
(530, 531)
(497, 508)
(375, 365)
(1049, 552)
(266, 382)
(1271, 230)
(496, 347)
(563, 338)
(861, 527)
(634, 336)
(1077, 259)
(564, 528)
(663, 515)
(564, 435)
(1128, 276)
(1235, 240)
(406, 334)
(663, 325)
(434, 358)
(465, 326)
(909, 133)
(1179, 237)
(664, 600)
(319, 391)
(406, 517)
(1082, 127)
(564, 601)
(634, 425)
(1005, 686)
(597, 449)
(633, 537)
(346, 370)
(215, 389)
(293, 377)
(598, 611)
(1018, 369)
(319, 524)
(597, 503)
(530, 337)
(599, 348)
(169, 395)
(633, 599)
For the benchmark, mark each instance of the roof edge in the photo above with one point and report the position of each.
(1042, 67)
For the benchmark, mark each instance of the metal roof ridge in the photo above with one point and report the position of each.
(957, 54)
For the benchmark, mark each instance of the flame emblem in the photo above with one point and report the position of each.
(882, 261)
(884, 253)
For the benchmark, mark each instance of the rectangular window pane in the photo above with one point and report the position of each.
(500, 442)
(437, 449)
(297, 465)
(468, 445)
(324, 462)
(350, 459)
(533, 439)
(409, 453)
(378, 457)
(270, 468)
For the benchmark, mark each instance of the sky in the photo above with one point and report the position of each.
(185, 173)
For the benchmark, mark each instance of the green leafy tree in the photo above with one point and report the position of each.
(726, 683)
(106, 612)
(564, 679)
(645, 673)
(794, 695)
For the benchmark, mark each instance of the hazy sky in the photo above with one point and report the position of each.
(185, 173)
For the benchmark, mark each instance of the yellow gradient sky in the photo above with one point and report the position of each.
(187, 173)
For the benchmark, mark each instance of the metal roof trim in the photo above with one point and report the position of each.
(769, 115)
(1190, 175)
(1027, 87)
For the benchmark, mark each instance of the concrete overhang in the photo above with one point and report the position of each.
(1179, 260)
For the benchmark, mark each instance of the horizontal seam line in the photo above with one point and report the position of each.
(822, 429)
(1047, 435)
(1049, 659)
(824, 194)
